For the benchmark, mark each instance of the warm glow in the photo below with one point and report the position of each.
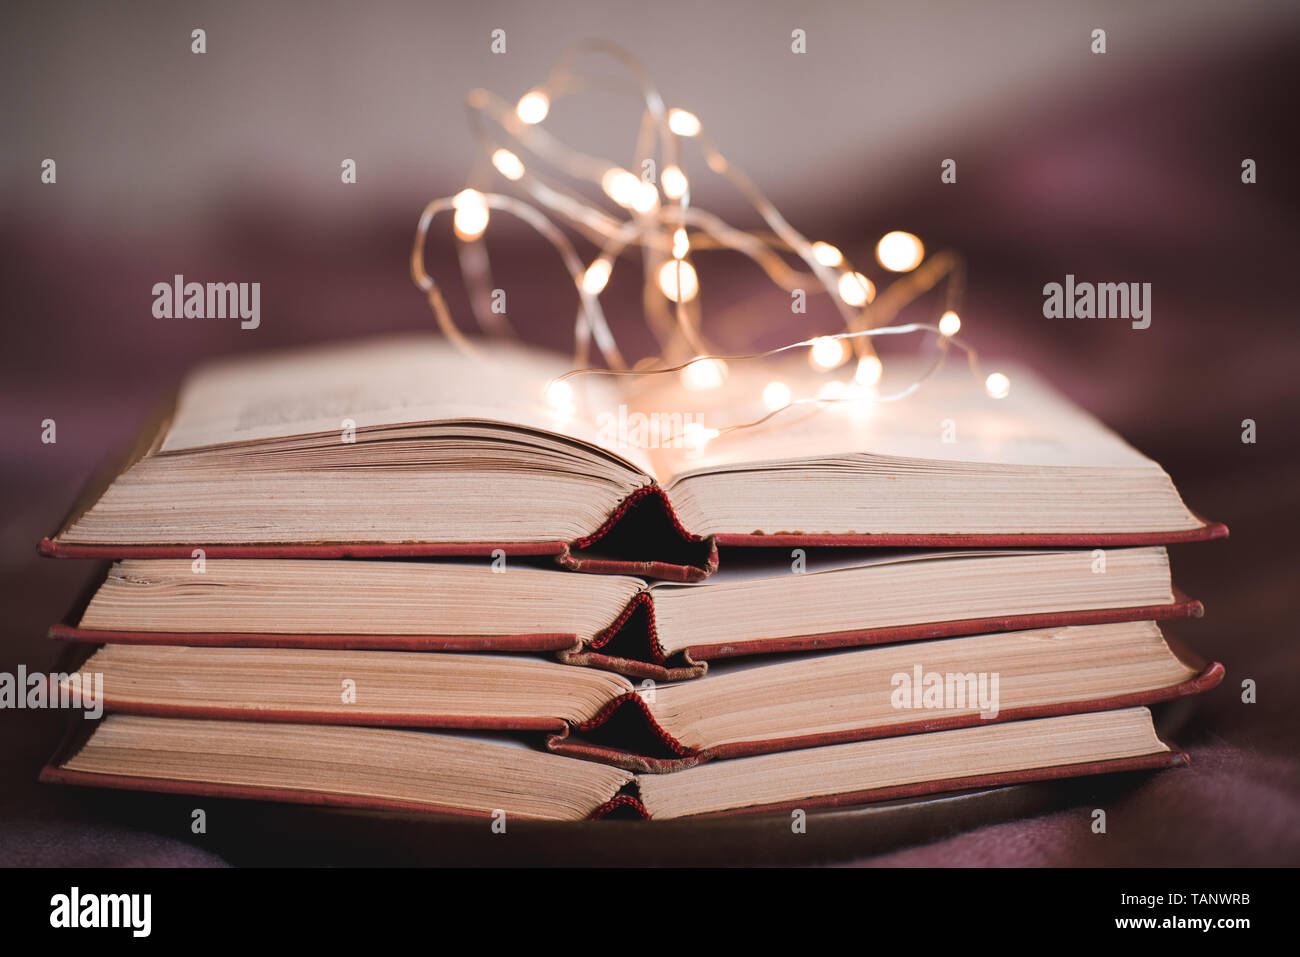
(596, 276)
(862, 398)
(533, 106)
(856, 289)
(776, 395)
(674, 182)
(678, 270)
(681, 244)
(683, 122)
(704, 374)
(645, 198)
(559, 394)
(620, 186)
(827, 352)
(826, 254)
(508, 164)
(899, 251)
(869, 370)
(998, 385)
(471, 214)
(696, 436)
(949, 323)
(832, 390)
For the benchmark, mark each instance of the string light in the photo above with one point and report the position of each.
(899, 251)
(704, 373)
(674, 182)
(856, 289)
(620, 186)
(828, 353)
(832, 392)
(677, 280)
(559, 394)
(508, 164)
(826, 254)
(683, 122)
(658, 230)
(681, 244)
(869, 370)
(776, 395)
(646, 197)
(471, 214)
(533, 107)
(597, 276)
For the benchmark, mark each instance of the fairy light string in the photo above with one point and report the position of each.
(656, 217)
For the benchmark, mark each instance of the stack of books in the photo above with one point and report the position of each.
(390, 575)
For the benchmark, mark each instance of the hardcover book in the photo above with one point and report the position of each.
(396, 770)
(408, 446)
(740, 709)
(840, 598)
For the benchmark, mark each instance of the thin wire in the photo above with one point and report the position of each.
(651, 231)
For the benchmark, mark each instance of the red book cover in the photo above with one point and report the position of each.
(642, 537)
(623, 803)
(660, 753)
(630, 644)
(625, 732)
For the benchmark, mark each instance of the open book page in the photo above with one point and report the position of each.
(950, 418)
(382, 382)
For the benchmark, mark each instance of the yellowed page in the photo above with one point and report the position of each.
(382, 382)
(950, 418)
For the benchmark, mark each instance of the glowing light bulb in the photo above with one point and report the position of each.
(508, 164)
(645, 198)
(997, 385)
(869, 371)
(833, 390)
(674, 182)
(704, 374)
(681, 244)
(697, 436)
(533, 107)
(559, 394)
(683, 122)
(776, 395)
(826, 254)
(899, 251)
(596, 276)
(827, 352)
(471, 214)
(620, 186)
(856, 289)
(676, 271)
(949, 323)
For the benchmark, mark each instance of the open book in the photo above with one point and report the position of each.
(406, 446)
(662, 630)
(737, 710)
(385, 769)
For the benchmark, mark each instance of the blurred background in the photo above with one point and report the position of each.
(1125, 166)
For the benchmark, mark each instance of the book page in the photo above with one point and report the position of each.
(383, 382)
(950, 419)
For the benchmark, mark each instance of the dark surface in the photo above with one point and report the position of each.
(1138, 182)
(265, 834)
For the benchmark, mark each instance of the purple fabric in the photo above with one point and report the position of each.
(1230, 808)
